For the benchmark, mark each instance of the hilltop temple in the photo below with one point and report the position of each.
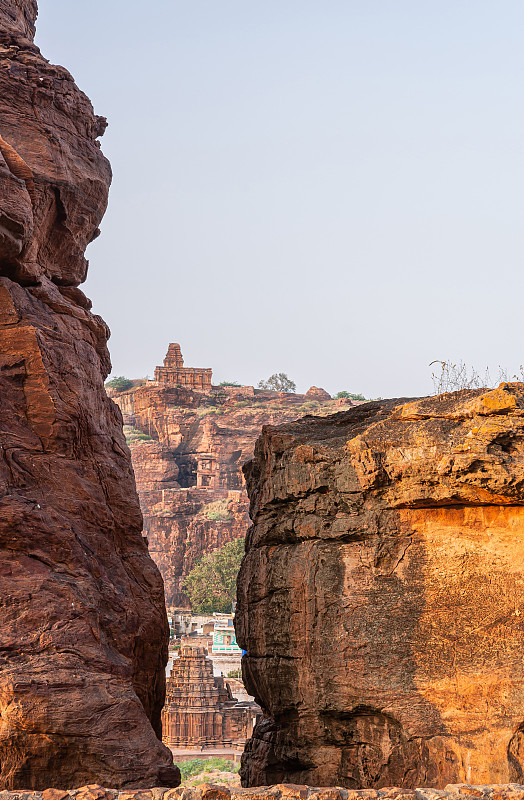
(174, 372)
(200, 710)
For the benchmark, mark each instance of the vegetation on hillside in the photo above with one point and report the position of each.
(217, 510)
(449, 376)
(133, 435)
(211, 584)
(349, 396)
(195, 766)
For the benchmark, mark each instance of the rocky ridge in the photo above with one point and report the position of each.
(83, 629)
(181, 439)
(382, 595)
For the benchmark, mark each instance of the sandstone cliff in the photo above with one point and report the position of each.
(188, 449)
(83, 632)
(381, 600)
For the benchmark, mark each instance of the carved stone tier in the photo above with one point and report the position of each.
(200, 710)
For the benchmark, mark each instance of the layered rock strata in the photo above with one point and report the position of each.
(83, 631)
(381, 599)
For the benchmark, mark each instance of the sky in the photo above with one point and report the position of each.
(330, 188)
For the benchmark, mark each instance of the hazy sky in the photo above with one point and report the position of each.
(331, 189)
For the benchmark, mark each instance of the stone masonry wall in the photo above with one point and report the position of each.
(211, 791)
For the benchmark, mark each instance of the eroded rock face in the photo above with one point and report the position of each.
(189, 467)
(381, 600)
(83, 632)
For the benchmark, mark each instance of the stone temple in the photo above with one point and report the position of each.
(200, 710)
(173, 372)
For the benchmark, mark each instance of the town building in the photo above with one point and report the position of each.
(215, 632)
(224, 638)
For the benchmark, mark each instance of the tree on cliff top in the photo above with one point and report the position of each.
(279, 382)
(119, 384)
(211, 584)
(349, 395)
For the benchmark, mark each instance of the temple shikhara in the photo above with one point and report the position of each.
(173, 372)
(200, 710)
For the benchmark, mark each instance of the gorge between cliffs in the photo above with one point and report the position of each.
(381, 597)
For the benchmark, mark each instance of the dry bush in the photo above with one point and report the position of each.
(452, 377)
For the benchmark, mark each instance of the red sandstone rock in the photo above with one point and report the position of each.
(199, 443)
(260, 793)
(55, 794)
(293, 790)
(83, 631)
(315, 393)
(96, 792)
(155, 467)
(382, 595)
(211, 791)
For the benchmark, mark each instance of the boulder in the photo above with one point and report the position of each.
(316, 393)
(381, 600)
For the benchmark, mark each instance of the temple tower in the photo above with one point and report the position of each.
(200, 710)
(173, 372)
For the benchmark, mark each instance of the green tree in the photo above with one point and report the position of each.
(235, 673)
(279, 382)
(211, 584)
(229, 383)
(119, 383)
(196, 766)
(349, 396)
